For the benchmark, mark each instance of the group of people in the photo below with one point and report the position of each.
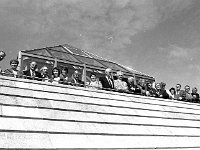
(106, 82)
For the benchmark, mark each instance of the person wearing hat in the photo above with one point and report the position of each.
(13, 72)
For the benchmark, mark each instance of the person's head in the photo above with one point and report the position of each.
(44, 70)
(187, 88)
(149, 85)
(119, 75)
(108, 72)
(131, 80)
(178, 87)
(14, 63)
(158, 86)
(33, 65)
(142, 82)
(93, 77)
(55, 72)
(2, 55)
(64, 71)
(194, 90)
(163, 85)
(76, 74)
(172, 91)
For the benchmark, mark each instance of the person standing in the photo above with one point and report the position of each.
(179, 93)
(188, 96)
(13, 72)
(32, 74)
(44, 74)
(94, 82)
(75, 79)
(107, 81)
(119, 85)
(195, 95)
(64, 76)
(2, 56)
(55, 75)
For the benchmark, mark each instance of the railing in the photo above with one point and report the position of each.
(81, 85)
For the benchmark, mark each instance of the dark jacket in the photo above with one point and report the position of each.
(74, 82)
(27, 75)
(105, 83)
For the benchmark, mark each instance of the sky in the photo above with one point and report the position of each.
(158, 37)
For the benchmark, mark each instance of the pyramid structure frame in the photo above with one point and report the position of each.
(74, 56)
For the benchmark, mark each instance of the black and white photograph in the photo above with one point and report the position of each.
(100, 74)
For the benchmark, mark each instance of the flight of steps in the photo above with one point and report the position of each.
(37, 115)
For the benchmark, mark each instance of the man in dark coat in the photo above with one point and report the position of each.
(32, 74)
(74, 80)
(107, 81)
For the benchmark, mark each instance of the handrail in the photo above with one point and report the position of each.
(80, 85)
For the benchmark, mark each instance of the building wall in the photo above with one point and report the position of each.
(44, 115)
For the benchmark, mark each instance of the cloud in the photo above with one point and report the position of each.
(89, 24)
(181, 55)
(179, 52)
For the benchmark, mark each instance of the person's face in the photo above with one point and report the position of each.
(194, 90)
(187, 89)
(76, 75)
(55, 72)
(14, 65)
(45, 70)
(178, 87)
(149, 85)
(172, 92)
(158, 87)
(93, 78)
(130, 80)
(2, 55)
(63, 72)
(108, 72)
(33, 66)
(120, 76)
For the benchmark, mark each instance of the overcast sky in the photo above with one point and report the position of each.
(157, 37)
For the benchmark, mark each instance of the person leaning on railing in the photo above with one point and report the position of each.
(13, 72)
(94, 82)
(74, 80)
(195, 95)
(55, 75)
(119, 85)
(44, 74)
(107, 81)
(64, 76)
(32, 74)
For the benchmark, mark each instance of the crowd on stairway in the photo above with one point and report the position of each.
(109, 82)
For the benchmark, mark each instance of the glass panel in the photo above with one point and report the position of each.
(112, 66)
(58, 48)
(75, 50)
(41, 52)
(26, 60)
(64, 56)
(89, 61)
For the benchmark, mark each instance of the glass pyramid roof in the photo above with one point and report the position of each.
(41, 52)
(72, 54)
